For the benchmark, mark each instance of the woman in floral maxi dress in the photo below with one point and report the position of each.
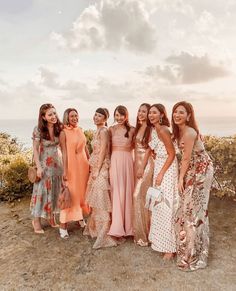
(195, 179)
(98, 189)
(47, 157)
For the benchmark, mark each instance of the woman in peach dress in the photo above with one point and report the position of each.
(98, 189)
(73, 143)
(121, 174)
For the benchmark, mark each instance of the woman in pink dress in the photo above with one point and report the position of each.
(121, 174)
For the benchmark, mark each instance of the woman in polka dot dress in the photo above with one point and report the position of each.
(162, 234)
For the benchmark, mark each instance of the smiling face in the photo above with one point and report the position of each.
(50, 116)
(142, 113)
(154, 115)
(73, 118)
(119, 118)
(180, 115)
(99, 119)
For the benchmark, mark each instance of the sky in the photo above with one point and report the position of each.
(86, 54)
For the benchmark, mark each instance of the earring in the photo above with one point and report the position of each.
(160, 120)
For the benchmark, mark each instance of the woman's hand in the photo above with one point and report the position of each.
(159, 179)
(140, 173)
(95, 174)
(39, 172)
(181, 186)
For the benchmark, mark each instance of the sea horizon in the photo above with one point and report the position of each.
(22, 129)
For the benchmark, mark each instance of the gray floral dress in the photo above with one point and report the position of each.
(45, 192)
(192, 226)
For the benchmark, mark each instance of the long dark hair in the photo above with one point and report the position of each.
(191, 122)
(147, 131)
(42, 124)
(123, 111)
(161, 108)
(104, 112)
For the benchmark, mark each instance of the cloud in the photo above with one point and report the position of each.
(188, 69)
(196, 69)
(110, 25)
(48, 78)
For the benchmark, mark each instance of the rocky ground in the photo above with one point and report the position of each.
(45, 262)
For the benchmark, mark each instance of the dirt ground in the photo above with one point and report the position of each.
(45, 262)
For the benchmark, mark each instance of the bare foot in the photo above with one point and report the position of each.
(37, 226)
(168, 256)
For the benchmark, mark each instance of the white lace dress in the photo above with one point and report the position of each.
(162, 233)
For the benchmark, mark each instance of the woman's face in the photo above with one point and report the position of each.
(73, 118)
(50, 116)
(154, 115)
(120, 119)
(99, 119)
(142, 113)
(180, 115)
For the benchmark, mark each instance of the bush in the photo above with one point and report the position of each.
(89, 136)
(15, 183)
(223, 153)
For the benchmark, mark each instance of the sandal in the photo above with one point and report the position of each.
(39, 231)
(63, 233)
(52, 222)
(82, 223)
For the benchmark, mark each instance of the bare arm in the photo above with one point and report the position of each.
(165, 136)
(36, 148)
(104, 136)
(62, 139)
(189, 140)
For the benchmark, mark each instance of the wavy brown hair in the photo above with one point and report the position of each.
(147, 131)
(42, 124)
(191, 123)
(161, 108)
(124, 112)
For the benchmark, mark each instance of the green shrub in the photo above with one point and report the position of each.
(89, 136)
(15, 182)
(223, 153)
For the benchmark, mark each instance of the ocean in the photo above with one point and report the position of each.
(22, 129)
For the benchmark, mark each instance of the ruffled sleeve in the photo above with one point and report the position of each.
(36, 134)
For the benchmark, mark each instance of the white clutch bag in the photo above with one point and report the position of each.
(154, 197)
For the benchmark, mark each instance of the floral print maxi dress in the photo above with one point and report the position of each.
(45, 192)
(192, 226)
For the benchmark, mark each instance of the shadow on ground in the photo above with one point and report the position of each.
(45, 262)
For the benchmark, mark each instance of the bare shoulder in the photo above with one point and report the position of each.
(190, 134)
(104, 132)
(164, 131)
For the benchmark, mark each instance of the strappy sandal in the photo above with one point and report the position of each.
(38, 231)
(52, 222)
(63, 233)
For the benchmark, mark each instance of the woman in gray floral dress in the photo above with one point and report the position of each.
(47, 157)
(195, 179)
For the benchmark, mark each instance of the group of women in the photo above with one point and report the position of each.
(110, 186)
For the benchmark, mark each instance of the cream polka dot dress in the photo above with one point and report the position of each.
(162, 234)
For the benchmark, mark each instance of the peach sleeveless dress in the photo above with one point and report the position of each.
(78, 173)
(122, 182)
